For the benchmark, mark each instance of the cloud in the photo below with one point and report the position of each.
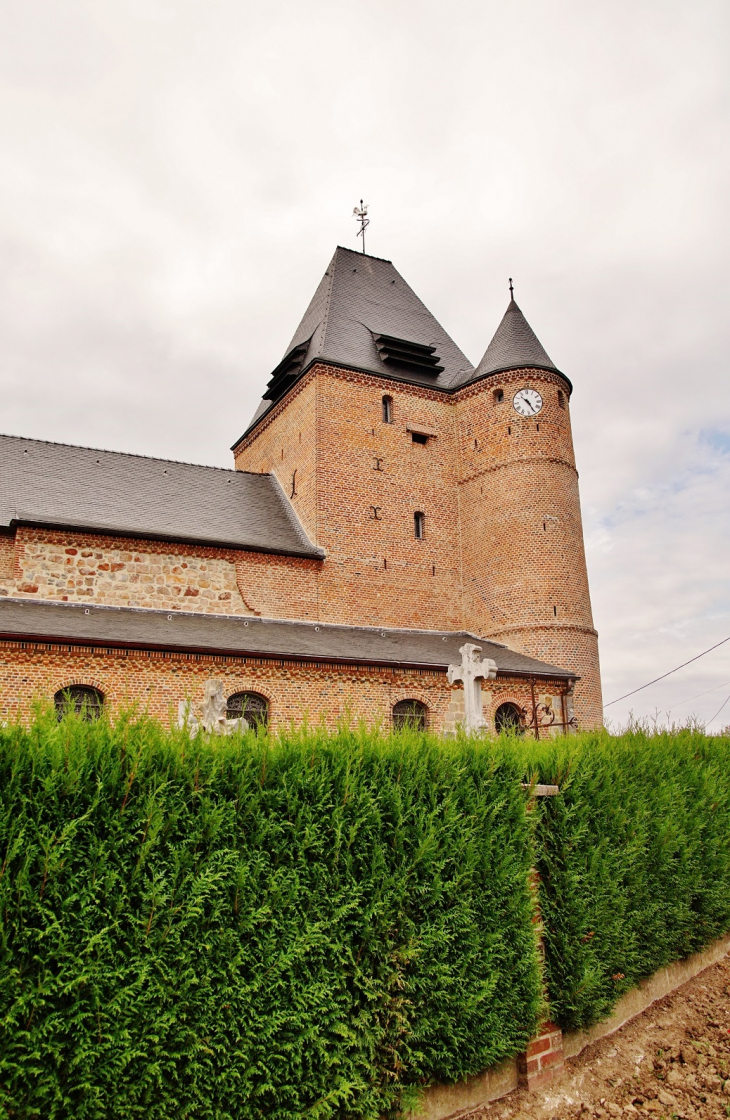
(174, 177)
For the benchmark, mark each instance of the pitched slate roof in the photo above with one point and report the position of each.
(359, 300)
(514, 346)
(76, 623)
(78, 487)
(362, 314)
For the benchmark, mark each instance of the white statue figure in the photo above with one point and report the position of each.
(213, 717)
(472, 672)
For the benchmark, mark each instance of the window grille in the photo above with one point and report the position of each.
(508, 718)
(82, 699)
(410, 713)
(249, 706)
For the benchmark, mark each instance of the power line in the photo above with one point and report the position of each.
(718, 711)
(661, 678)
(694, 697)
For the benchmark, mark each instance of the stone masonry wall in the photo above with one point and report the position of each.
(83, 567)
(157, 681)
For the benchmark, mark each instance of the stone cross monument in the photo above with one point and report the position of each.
(471, 673)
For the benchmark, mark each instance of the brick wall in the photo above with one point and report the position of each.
(525, 577)
(370, 479)
(279, 586)
(158, 681)
(286, 443)
(503, 550)
(7, 556)
(502, 554)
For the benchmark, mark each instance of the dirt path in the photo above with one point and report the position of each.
(672, 1061)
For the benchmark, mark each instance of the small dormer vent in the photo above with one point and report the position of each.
(286, 372)
(413, 356)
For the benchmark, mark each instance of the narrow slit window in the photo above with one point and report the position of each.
(498, 396)
(387, 410)
(419, 525)
(561, 398)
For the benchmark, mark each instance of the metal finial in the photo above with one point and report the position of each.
(511, 289)
(361, 215)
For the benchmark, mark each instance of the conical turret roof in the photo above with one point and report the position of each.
(514, 346)
(364, 316)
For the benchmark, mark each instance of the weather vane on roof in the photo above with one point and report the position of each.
(511, 289)
(362, 216)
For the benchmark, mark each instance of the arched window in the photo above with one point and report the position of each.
(253, 708)
(498, 396)
(561, 398)
(387, 410)
(410, 713)
(82, 699)
(419, 525)
(508, 718)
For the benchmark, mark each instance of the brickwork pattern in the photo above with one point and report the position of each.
(525, 577)
(7, 556)
(543, 1058)
(285, 443)
(503, 551)
(297, 691)
(502, 554)
(279, 586)
(370, 480)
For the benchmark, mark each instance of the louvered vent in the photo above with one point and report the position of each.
(286, 372)
(411, 356)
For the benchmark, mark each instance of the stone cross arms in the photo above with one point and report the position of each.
(471, 673)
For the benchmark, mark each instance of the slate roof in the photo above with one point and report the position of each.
(359, 299)
(106, 491)
(514, 346)
(75, 623)
(362, 298)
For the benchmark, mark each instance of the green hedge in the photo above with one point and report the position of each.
(318, 926)
(634, 858)
(248, 929)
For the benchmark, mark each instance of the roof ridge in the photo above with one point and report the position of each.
(359, 253)
(129, 454)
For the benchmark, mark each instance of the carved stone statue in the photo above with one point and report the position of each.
(213, 717)
(471, 673)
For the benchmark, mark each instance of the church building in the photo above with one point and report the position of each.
(389, 505)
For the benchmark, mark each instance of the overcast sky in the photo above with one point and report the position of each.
(175, 176)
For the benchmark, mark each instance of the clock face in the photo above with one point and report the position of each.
(527, 402)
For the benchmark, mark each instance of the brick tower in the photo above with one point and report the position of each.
(442, 497)
(525, 575)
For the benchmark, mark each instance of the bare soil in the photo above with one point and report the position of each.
(673, 1061)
